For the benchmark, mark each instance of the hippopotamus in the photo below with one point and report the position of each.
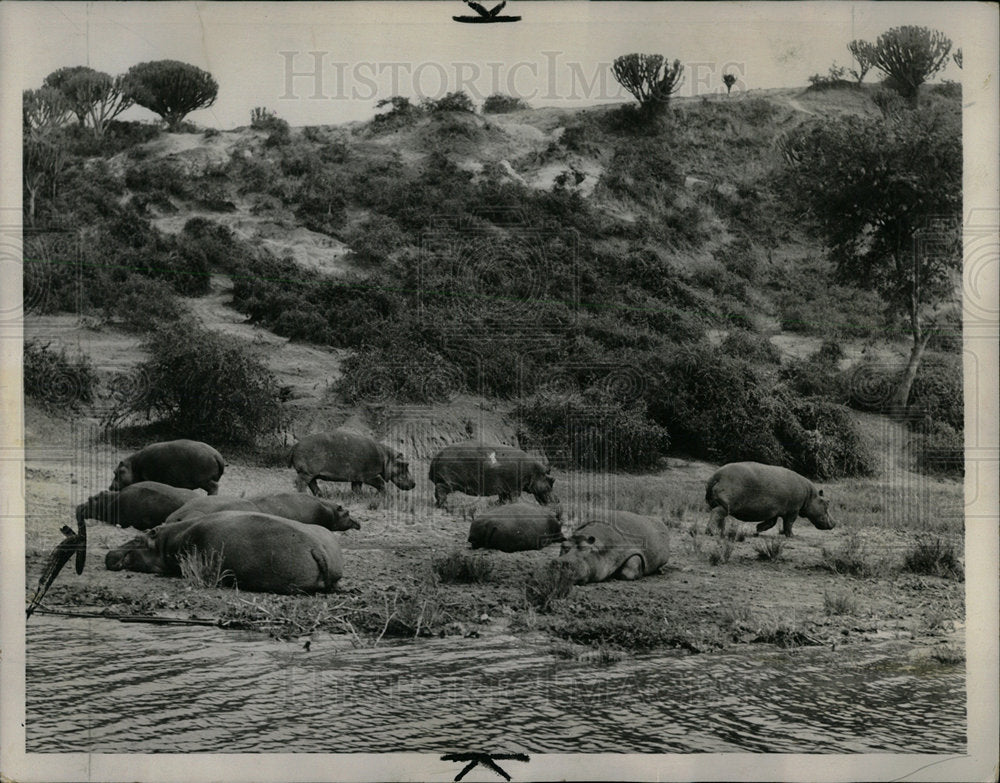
(753, 492)
(618, 544)
(142, 505)
(302, 508)
(516, 528)
(346, 456)
(180, 463)
(262, 552)
(482, 469)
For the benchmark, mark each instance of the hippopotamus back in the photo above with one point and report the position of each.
(482, 469)
(754, 492)
(190, 464)
(616, 543)
(347, 456)
(262, 552)
(516, 528)
(142, 505)
(306, 509)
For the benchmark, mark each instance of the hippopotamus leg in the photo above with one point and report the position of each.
(762, 526)
(632, 568)
(378, 482)
(786, 524)
(313, 486)
(356, 486)
(440, 495)
(717, 520)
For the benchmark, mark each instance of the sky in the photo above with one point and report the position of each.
(268, 54)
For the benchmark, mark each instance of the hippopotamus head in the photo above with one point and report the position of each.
(398, 472)
(139, 554)
(123, 477)
(594, 553)
(96, 507)
(817, 511)
(341, 518)
(541, 487)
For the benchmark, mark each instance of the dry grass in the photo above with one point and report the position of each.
(769, 548)
(463, 568)
(204, 568)
(839, 602)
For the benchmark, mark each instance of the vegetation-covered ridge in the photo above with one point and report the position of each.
(618, 277)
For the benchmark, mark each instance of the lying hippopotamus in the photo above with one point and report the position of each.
(346, 456)
(263, 553)
(619, 544)
(516, 528)
(180, 463)
(481, 469)
(753, 492)
(302, 508)
(142, 505)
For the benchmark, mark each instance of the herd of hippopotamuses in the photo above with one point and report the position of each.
(286, 543)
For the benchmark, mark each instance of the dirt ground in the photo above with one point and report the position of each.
(701, 601)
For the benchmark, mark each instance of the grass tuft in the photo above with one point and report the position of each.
(769, 548)
(548, 584)
(936, 557)
(463, 568)
(721, 552)
(203, 568)
(839, 602)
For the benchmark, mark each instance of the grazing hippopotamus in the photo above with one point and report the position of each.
(142, 505)
(516, 528)
(302, 508)
(753, 492)
(262, 552)
(482, 469)
(180, 463)
(618, 544)
(346, 456)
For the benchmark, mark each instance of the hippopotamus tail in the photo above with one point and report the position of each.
(710, 488)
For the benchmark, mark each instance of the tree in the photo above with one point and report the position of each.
(650, 79)
(864, 54)
(43, 109)
(80, 85)
(171, 89)
(909, 56)
(886, 194)
(729, 79)
(42, 162)
(112, 102)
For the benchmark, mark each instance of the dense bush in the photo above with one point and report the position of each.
(818, 375)
(753, 347)
(501, 104)
(936, 394)
(142, 304)
(206, 386)
(56, 380)
(452, 101)
(941, 450)
(716, 406)
(398, 372)
(825, 441)
(593, 430)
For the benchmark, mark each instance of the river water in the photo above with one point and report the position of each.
(103, 686)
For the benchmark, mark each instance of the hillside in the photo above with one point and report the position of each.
(466, 248)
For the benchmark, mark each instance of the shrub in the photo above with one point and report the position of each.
(753, 347)
(205, 385)
(594, 430)
(501, 104)
(453, 101)
(716, 406)
(161, 175)
(54, 379)
(828, 442)
(936, 557)
(463, 568)
(941, 450)
(721, 552)
(142, 304)
(401, 113)
(406, 371)
(839, 602)
(936, 394)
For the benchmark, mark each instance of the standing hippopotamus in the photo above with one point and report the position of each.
(516, 528)
(618, 544)
(346, 456)
(481, 469)
(180, 463)
(302, 508)
(142, 505)
(263, 553)
(753, 492)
